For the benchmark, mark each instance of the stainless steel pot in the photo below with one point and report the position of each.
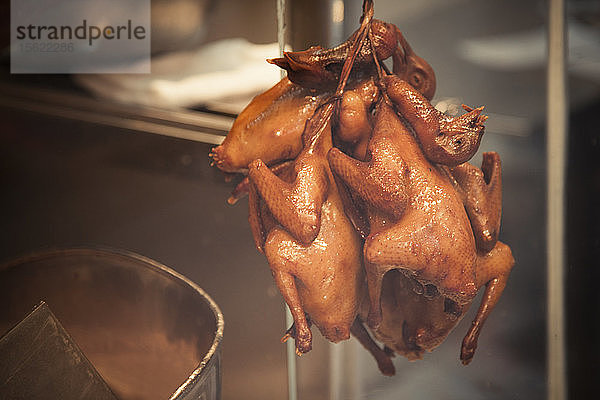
(149, 331)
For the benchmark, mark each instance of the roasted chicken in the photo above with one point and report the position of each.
(362, 200)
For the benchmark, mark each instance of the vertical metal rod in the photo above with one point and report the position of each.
(556, 120)
(344, 376)
(281, 29)
(356, 375)
(336, 22)
(289, 320)
(291, 359)
(336, 369)
(337, 363)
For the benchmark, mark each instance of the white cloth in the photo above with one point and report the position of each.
(229, 71)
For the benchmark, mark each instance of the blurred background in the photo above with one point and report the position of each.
(122, 161)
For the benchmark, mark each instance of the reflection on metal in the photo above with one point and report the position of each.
(149, 331)
(183, 124)
(556, 165)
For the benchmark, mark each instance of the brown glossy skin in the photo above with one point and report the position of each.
(241, 144)
(317, 67)
(269, 128)
(481, 193)
(444, 140)
(263, 223)
(353, 121)
(480, 189)
(419, 226)
(414, 322)
(416, 318)
(431, 235)
(413, 69)
(353, 126)
(320, 68)
(314, 252)
(417, 219)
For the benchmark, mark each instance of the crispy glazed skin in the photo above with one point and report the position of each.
(314, 253)
(333, 257)
(417, 219)
(269, 128)
(319, 180)
(366, 93)
(413, 69)
(416, 318)
(481, 193)
(443, 140)
(319, 68)
(419, 226)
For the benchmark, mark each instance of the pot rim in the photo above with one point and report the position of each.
(151, 265)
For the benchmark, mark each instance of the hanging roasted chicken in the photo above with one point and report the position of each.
(363, 202)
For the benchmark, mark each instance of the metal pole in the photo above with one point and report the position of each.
(556, 119)
(290, 344)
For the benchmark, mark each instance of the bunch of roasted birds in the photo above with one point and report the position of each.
(362, 200)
